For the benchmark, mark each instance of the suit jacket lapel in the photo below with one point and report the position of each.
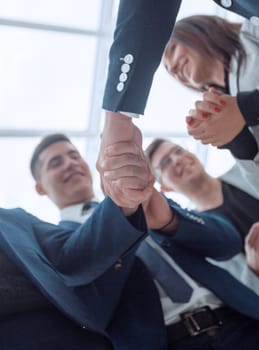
(18, 239)
(132, 323)
(221, 282)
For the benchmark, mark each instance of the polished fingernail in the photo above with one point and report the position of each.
(205, 115)
(216, 109)
(222, 102)
(189, 120)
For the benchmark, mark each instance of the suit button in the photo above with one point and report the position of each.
(128, 59)
(226, 3)
(118, 265)
(120, 87)
(123, 77)
(125, 68)
(254, 20)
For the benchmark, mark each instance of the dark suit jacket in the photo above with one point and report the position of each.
(143, 29)
(59, 261)
(77, 270)
(248, 8)
(198, 236)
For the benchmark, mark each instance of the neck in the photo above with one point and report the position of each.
(206, 193)
(219, 76)
(76, 200)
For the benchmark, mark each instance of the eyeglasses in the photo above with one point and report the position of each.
(167, 160)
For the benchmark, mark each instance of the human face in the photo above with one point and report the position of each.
(176, 168)
(192, 69)
(63, 175)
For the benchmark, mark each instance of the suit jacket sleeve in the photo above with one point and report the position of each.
(246, 8)
(142, 31)
(206, 234)
(87, 253)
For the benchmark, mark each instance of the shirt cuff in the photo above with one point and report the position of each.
(129, 114)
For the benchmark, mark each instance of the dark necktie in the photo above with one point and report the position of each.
(172, 283)
(89, 205)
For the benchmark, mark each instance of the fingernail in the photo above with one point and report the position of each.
(189, 120)
(205, 115)
(216, 109)
(222, 102)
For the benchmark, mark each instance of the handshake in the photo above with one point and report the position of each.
(127, 178)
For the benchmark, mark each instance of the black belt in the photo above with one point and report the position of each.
(198, 321)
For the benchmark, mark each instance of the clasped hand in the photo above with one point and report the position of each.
(126, 176)
(252, 248)
(216, 120)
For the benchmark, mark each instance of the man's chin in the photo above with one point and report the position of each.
(76, 179)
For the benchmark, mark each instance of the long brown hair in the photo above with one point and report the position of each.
(211, 36)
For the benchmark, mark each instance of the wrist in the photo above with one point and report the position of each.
(117, 117)
(118, 127)
(171, 225)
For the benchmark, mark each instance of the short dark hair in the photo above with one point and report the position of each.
(153, 146)
(46, 141)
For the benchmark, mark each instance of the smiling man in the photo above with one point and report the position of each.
(179, 170)
(63, 175)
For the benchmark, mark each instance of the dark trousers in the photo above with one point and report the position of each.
(47, 330)
(237, 333)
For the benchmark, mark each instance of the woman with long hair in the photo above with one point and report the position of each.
(220, 59)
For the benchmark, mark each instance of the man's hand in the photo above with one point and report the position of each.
(125, 172)
(216, 120)
(252, 248)
(159, 214)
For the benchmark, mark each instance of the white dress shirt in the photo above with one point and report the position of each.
(200, 295)
(75, 212)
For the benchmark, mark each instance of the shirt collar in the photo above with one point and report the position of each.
(74, 212)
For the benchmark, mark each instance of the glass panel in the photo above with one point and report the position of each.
(46, 79)
(189, 7)
(78, 13)
(168, 104)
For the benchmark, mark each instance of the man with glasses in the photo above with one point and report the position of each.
(179, 170)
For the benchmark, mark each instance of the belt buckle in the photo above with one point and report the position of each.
(192, 325)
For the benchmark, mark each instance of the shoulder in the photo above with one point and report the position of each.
(249, 31)
(12, 214)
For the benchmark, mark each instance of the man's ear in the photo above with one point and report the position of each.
(39, 189)
(164, 188)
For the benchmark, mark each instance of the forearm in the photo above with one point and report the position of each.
(207, 235)
(107, 234)
(143, 29)
(160, 216)
(119, 127)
